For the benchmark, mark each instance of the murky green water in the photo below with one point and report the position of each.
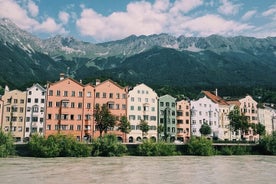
(140, 170)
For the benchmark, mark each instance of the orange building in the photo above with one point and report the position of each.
(115, 97)
(183, 120)
(69, 108)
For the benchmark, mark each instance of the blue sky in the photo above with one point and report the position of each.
(106, 20)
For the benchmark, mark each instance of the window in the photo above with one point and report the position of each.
(42, 100)
(139, 108)
(72, 105)
(41, 120)
(88, 105)
(161, 104)
(117, 106)
(146, 100)
(79, 105)
(124, 106)
(21, 101)
(49, 116)
(152, 109)
(110, 105)
(146, 117)
(152, 118)
(48, 127)
(50, 92)
(187, 121)
(167, 104)
(80, 93)
(97, 95)
(153, 100)
(124, 96)
(72, 117)
(58, 92)
(71, 127)
(30, 92)
(118, 95)
(131, 117)
(42, 109)
(78, 127)
(110, 95)
(65, 93)
(132, 99)
(88, 94)
(79, 117)
(15, 101)
(139, 99)
(73, 93)
(187, 113)
(173, 104)
(104, 95)
(29, 100)
(21, 109)
(132, 107)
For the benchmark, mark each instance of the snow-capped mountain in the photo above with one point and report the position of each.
(208, 60)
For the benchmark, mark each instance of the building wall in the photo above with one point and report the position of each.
(183, 120)
(204, 110)
(64, 108)
(248, 106)
(267, 117)
(167, 117)
(1, 112)
(115, 97)
(142, 105)
(35, 110)
(14, 113)
(224, 123)
(88, 108)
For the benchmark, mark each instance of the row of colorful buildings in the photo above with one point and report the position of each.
(67, 106)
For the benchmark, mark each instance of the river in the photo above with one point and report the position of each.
(139, 170)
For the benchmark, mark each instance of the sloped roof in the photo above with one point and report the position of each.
(234, 102)
(214, 98)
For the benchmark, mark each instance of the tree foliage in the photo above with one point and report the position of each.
(268, 144)
(205, 129)
(144, 127)
(200, 146)
(238, 121)
(6, 144)
(107, 146)
(104, 119)
(124, 125)
(150, 148)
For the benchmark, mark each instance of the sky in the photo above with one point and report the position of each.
(107, 20)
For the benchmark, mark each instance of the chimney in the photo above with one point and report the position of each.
(61, 76)
(216, 92)
(98, 81)
(80, 81)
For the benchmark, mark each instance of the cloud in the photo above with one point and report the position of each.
(271, 12)
(248, 15)
(228, 8)
(50, 26)
(144, 18)
(20, 16)
(213, 24)
(64, 17)
(33, 8)
(184, 6)
(139, 18)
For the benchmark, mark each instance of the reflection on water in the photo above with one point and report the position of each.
(140, 170)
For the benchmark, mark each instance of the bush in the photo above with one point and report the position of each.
(268, 144)
(150, 148)
(57, 146)
(6, 144)
(200, 146)
(107, 146)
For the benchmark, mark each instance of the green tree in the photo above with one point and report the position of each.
(6, 144)
(124, 126)
(104, 119)
(144, 127)
(260, 129)
(205, 129)
(238, 121)
(268, 144)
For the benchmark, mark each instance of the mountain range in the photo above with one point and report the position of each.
(155, 60)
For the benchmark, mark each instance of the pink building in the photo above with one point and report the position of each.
(183, 120)
(115, 97)
(69, 108)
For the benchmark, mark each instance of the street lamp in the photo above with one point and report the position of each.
(63, 103)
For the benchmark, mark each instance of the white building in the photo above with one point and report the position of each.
(267, 117)
(204, 110)
(35, 110)
(142, 105)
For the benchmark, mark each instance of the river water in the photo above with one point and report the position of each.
(139, 170)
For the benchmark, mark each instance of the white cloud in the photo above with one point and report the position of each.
(63, 17)
(248, 15)
(33, 8)
(20, 17)
(185, 6)
(50, 26)
(214, 24)
(271, 12)
(228, 8)
(140, 18)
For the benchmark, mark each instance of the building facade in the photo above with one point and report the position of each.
(142, 104)
(36, 98)
(183, 118)
(65, 108)
(267, 117)
(114, 97)
(167, 118)
(206, 111)
(13, 113)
